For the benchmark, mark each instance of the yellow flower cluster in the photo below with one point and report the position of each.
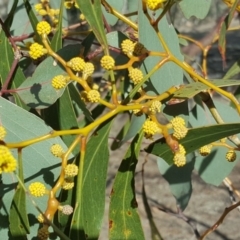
(205, 150)
(37, 189)
(43, 27)
(155, 107)
(44, 9)
(2, 133)
(154, 4)
(43, 233)
(82, 17)
(36, 51)
(56, 150)
(87, 70)
(71, 170)
(93, 96)
(179, 158)
(127, 47)
(136, 75)
(77, 64)
(68, 184)
(178, 124)
(107, 62)
(231, 155)
(7, 162)
(150, 128)
(59, 81)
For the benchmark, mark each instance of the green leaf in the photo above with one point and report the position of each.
(216, 160)
(224, 27)
(56, 43)
(196, 138)
(124, 221)
(37, 91)
(154, 230)
(77, 102)
(192, 89)
(234, 70)
(169, 74)
(10, 17)
(93, 14)
(33, 19)
(197, 8)
(179, 180)
(61, 116)
(38, 162)
(134, 128)
(19, 225)
(89, 211)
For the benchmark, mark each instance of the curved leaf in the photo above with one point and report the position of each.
(124, 221)
(197, 8)
(196, 138)
(37, 91)
(41, 164)
(89, 211)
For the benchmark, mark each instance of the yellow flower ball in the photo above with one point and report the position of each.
(127, 46)
(43, 27)
(56, 150)
(59, 82)
(71, 170)
(107, 62)
(205, 150)
(7, 162)
(150, 128)
(135, 75)
(37, 189)
(155, 107)
(231, 155)
(87, 70)
(77, 64)
(178, 124)
(93, 96)
(154, 4)
(37, 51)
(68, 184)
(179, 158)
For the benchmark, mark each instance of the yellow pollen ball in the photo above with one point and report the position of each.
(7, 162)
(37, 189)
(205, 150)
(56, 150)
(155, 107)
(59, 82)
(93, 96)
(36, 51)
(87, 70)
(68, 184)
(71, 170)
(178, 124)
(107, 62)
(43, 27)
(77, 64)
(150, 128)
(231, 155)
(154, 4)
(136, 75)
(127, 46)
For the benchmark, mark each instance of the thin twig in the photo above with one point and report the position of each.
(219, 221)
